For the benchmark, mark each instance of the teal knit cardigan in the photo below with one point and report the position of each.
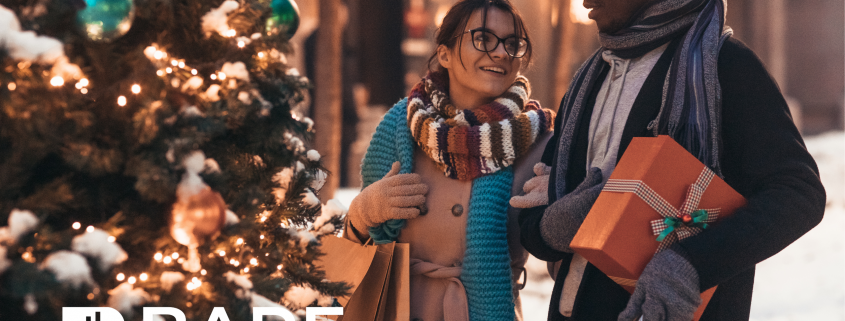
(486, 272)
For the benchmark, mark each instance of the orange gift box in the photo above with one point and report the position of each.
(617, 236)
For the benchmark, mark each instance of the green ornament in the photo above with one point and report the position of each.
(284, 18)
(105, 20)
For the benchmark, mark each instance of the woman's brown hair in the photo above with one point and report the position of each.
(451, 31)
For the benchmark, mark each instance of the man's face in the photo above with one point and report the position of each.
(613, 15)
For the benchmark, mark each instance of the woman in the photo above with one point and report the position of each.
(444, 161)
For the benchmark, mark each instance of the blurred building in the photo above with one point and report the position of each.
(387, 44)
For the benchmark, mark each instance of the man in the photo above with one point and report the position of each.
(670, 67)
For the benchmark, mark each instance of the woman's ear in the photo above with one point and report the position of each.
(444, 56)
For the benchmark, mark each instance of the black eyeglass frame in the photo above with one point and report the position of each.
(498, 41)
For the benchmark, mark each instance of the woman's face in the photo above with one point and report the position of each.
(475, 77)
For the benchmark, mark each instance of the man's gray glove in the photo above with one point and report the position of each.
(666, 291)
(562, 219)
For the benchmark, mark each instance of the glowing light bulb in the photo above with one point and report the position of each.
(222, 253)
(174, 255)
(246, 270)
(160, 73)
(168, 70)
(112, 239)
(181, 260)
(241, 44)
(279, 267)
(193, 71)
(203, 272)
(83, 82)
(12, 86)
(181, 64)
(174, 62)
(231, 33)
(121, 277)
(158, 55)
(136, 89)
(261, 237)
(253, 261)
(78, 86)
(131, 280)
(57, 81)
(222, 76)
(195, 280)
(157, 257)
(213, 77)
(239, 241)
(167, 260)
(84, 91)
(261, 54)
(121, 101)
(89, 229)
(76, 225)
(144, 277)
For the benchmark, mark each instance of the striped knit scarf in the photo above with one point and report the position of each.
(467, 144)
(692, 97)
(486, 271)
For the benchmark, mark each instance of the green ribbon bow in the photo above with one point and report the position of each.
(698, 218)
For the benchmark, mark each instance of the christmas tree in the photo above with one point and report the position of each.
(149, 157)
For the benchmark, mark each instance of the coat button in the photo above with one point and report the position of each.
(457, 210)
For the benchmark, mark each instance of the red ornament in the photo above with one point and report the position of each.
(198, 217)
(686, 218)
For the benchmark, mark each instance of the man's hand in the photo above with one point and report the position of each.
(666, 291)
(536, 189)
(563, 218)
(396, 196)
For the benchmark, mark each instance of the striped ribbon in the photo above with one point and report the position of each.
(674, 226)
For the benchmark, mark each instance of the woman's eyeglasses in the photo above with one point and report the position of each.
(486, 41)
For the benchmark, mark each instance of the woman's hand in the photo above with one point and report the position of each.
(536, 189)
(395, 196)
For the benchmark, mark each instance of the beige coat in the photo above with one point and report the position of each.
(439, 237)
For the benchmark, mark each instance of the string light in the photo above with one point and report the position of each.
(174, 62)
(253, 261)
(174, 255)
(233, 262)
(231, 33)
(12, 86)
(83, 82)
(158, 54)
(241, 44)
(181, 64)
(160, 73)
(76, 225)
(167, 260)
(246, 270)
(136, 89)
(121, 101)
(144, 277)
(261, 54)
(181, 260)
(89, 229)
(84, 91)
(157, 257)
(131, 280)
(262, 236)
(78, 85)
(120, 276)
(57, 81)
(279, 267)
(203, 272)
(239, 241)
(266, 254)
(222, 76)
(213, 77)
(168, 70)
(222, 253)
(193, 72)
(112, 239)
(90, 296)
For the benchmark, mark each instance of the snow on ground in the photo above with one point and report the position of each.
(805, 281)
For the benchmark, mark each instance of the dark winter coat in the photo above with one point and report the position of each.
(764, 159)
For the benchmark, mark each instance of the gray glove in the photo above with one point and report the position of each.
(562, 219)
(666, 291)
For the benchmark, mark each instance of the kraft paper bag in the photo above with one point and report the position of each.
(399, 293)
(345, 261)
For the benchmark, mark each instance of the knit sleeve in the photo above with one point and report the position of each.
(765, 160)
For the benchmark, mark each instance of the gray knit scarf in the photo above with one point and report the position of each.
(692, 98)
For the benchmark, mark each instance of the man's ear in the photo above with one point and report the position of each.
(444, 56)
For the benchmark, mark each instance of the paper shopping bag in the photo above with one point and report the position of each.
(398, 305)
